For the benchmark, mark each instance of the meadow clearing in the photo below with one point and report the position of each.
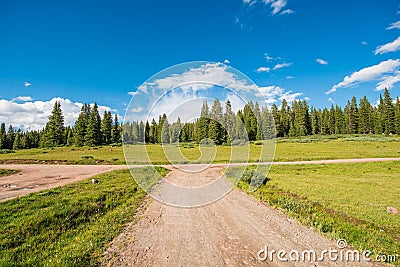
(291, 149)
(74, 224)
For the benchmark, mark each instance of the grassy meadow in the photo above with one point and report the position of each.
(340, 200)
(291, 149)
(70, 225)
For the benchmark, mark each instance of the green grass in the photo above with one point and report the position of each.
(5, 172)
(292, 149)
(342, 201)
(70, 225)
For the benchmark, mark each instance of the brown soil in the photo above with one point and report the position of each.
(34, 178)
(228, 232)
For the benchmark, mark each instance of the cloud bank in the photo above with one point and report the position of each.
(387, 73)
(22, 112)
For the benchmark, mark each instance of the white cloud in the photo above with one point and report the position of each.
(134, 93)
(386, 72)
(263, 69)
(394, 25)
(389, 47)
(22, 99)
(194, 84)
(290, 77)
(276, 5)
(321, 61)
(137, 109)
(388, 81)
(364, 43)
(287, 11)
(27, 84)
(226, 61)
(331, 100)
(267, 57)
(33, 115)
(282, 65)
(249, 2)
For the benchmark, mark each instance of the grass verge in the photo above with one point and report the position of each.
(341, 201)
(70, 225)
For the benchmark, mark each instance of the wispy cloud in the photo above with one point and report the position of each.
(267, 57)
(226, 61)
(276, 6)
(287, 11)
(394, 25)
(290, 77)
(387, 73)
(364, 43)
(263, 69)
(27, 84)
(137, 109)
(331, 100)
(282, 65)
(389, 47)
(134, 93)
(321, 61)
(22, 99)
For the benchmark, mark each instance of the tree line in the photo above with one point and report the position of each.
(221, 125)
(254, 123)
(89, 130)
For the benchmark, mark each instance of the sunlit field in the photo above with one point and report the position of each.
(306, 148)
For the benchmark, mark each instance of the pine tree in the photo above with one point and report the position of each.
(54, 130)
(257, 114)
(268, 130)
(3, 136)
(17, 142)
(340, 123)
(147, 138)
(176, 129)
(153, 135)
(397, 115)
(250, 121)
(216, 132)
(70, 137)
(203, 123)
(284, 120)
(315, 129)
(106, 127)
(165, 131)
(365, 121)
(81, 125)
(142, 130)
(116, 131)
(229, 122)
(93, 130)
(388, 113)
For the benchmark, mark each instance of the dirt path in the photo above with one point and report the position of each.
(228, 232)
(34, 178)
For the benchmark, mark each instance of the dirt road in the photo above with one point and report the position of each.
(228, 232)
(34, 178)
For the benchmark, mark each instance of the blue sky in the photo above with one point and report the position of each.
(98, 51)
